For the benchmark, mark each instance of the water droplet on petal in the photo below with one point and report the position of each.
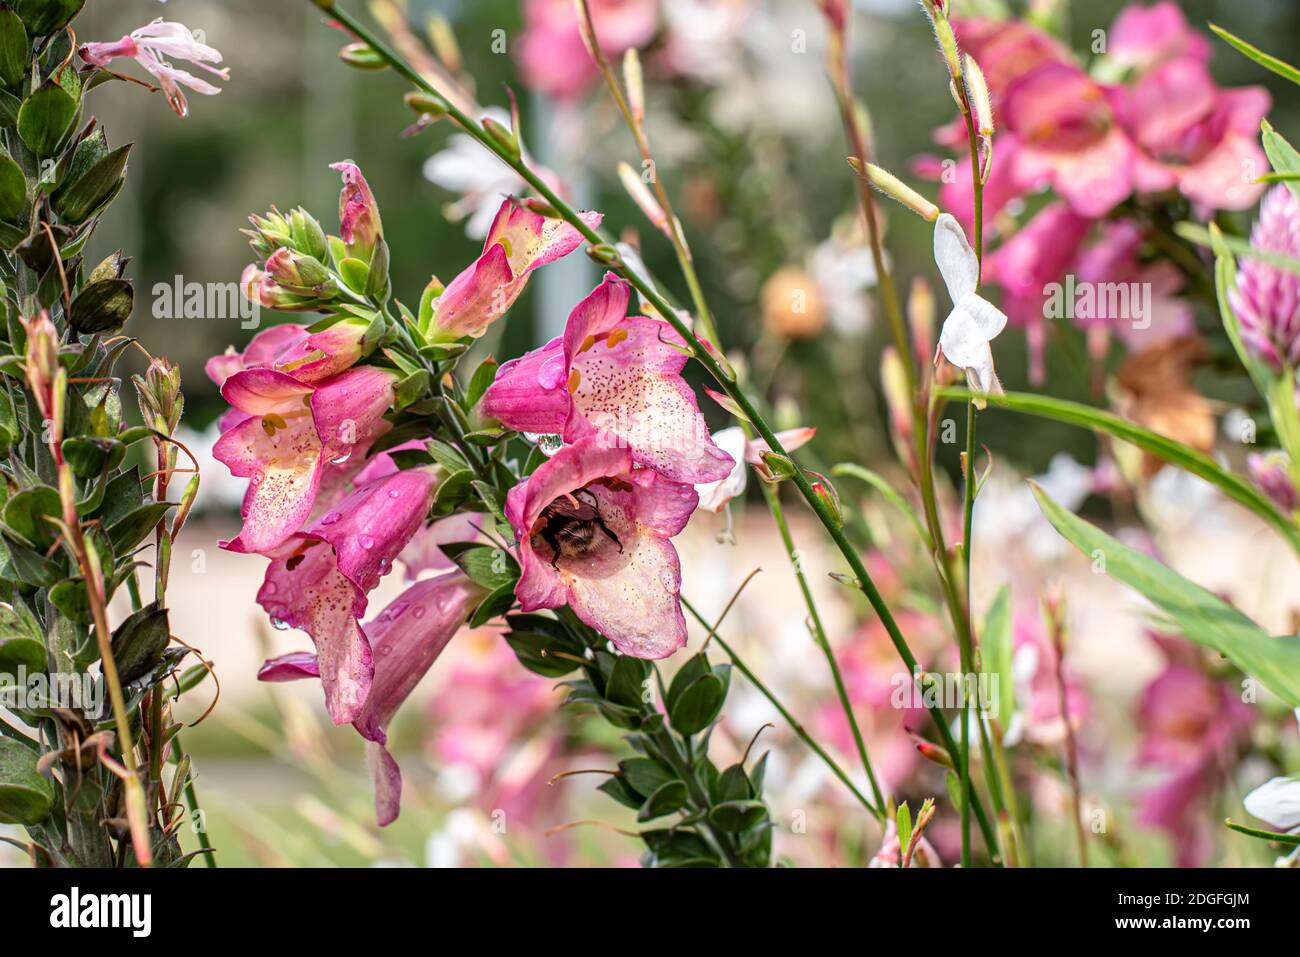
(418, 612)
(394, 493)
(279, 624)
(366, 542)
(339, 460)
(331, 518)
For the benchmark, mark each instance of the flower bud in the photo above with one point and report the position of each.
(359, 222)
(977, 91)
(1271, 475)
(306, 235)
(42, 362)
(426, 104)
(895, 189)
(827, 495)
(921, 316)
(893, 382)
(159, 394)
(299, 272)
(362, 56)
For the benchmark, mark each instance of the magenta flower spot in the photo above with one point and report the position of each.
(615, 375)
(593, 533)
(519, 241)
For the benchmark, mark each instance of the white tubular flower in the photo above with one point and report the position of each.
(974, 321)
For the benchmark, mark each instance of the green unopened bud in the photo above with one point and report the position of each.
(306, 234)
(977, 91)
(295, 270)
(362, 56)
(605, 254)
(776, 467)
(826, 494)
(426, 104)
(889, 184)
(159, 395)
(502, 137)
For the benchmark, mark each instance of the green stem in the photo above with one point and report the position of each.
(766, 692)
(192, 801)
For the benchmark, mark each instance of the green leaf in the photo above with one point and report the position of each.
(22, 641)
(134, 527)
(80, 198)
(27, 512)
(879, 483)
(488, 566)
(139, 642)
(483, 377)
(1198, 614)
(1225, 280)
(15, 48)
(626, 682)
(1291, 840)
(737, 816)
(645, 775)
(996, 651)
(698, 705)
(1213, 238)
(543, 645)
(667, 799)
(1280, 67)
(617, 788)
(44, 17)
(1281, 154)
(494, 605)
(13, 189)
(903, 820)
(25, 795)
(1176, 453)
(45, 117)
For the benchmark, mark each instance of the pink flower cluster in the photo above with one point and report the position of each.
(1166, 129)
(307, 406)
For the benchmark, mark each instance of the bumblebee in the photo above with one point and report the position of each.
(570, 526)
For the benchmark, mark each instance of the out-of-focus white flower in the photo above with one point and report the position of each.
(1009, 518)
(1276, 802)
(466, 167)
(974, 321)
(844, 271)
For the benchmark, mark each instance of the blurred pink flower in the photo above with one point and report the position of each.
(1271, 475)
(594, 534)
(615, 375)
(1191, 724)
(1039, 253)
(1068, 136)
(1142, 38)
(1114, 258)
(1038, 717)
(1194, 136)
(1007, 50)
(150, 46)
(1267, 297)
(552, 55)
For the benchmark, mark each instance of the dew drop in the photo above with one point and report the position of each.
(417, 612)
(339, 460)
(366, 542)
(331, 518)
(279, 624)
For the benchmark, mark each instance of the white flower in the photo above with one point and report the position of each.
(974, 321)
(714, 496)
(1277, 802)
(466, 167)
(150, 46)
